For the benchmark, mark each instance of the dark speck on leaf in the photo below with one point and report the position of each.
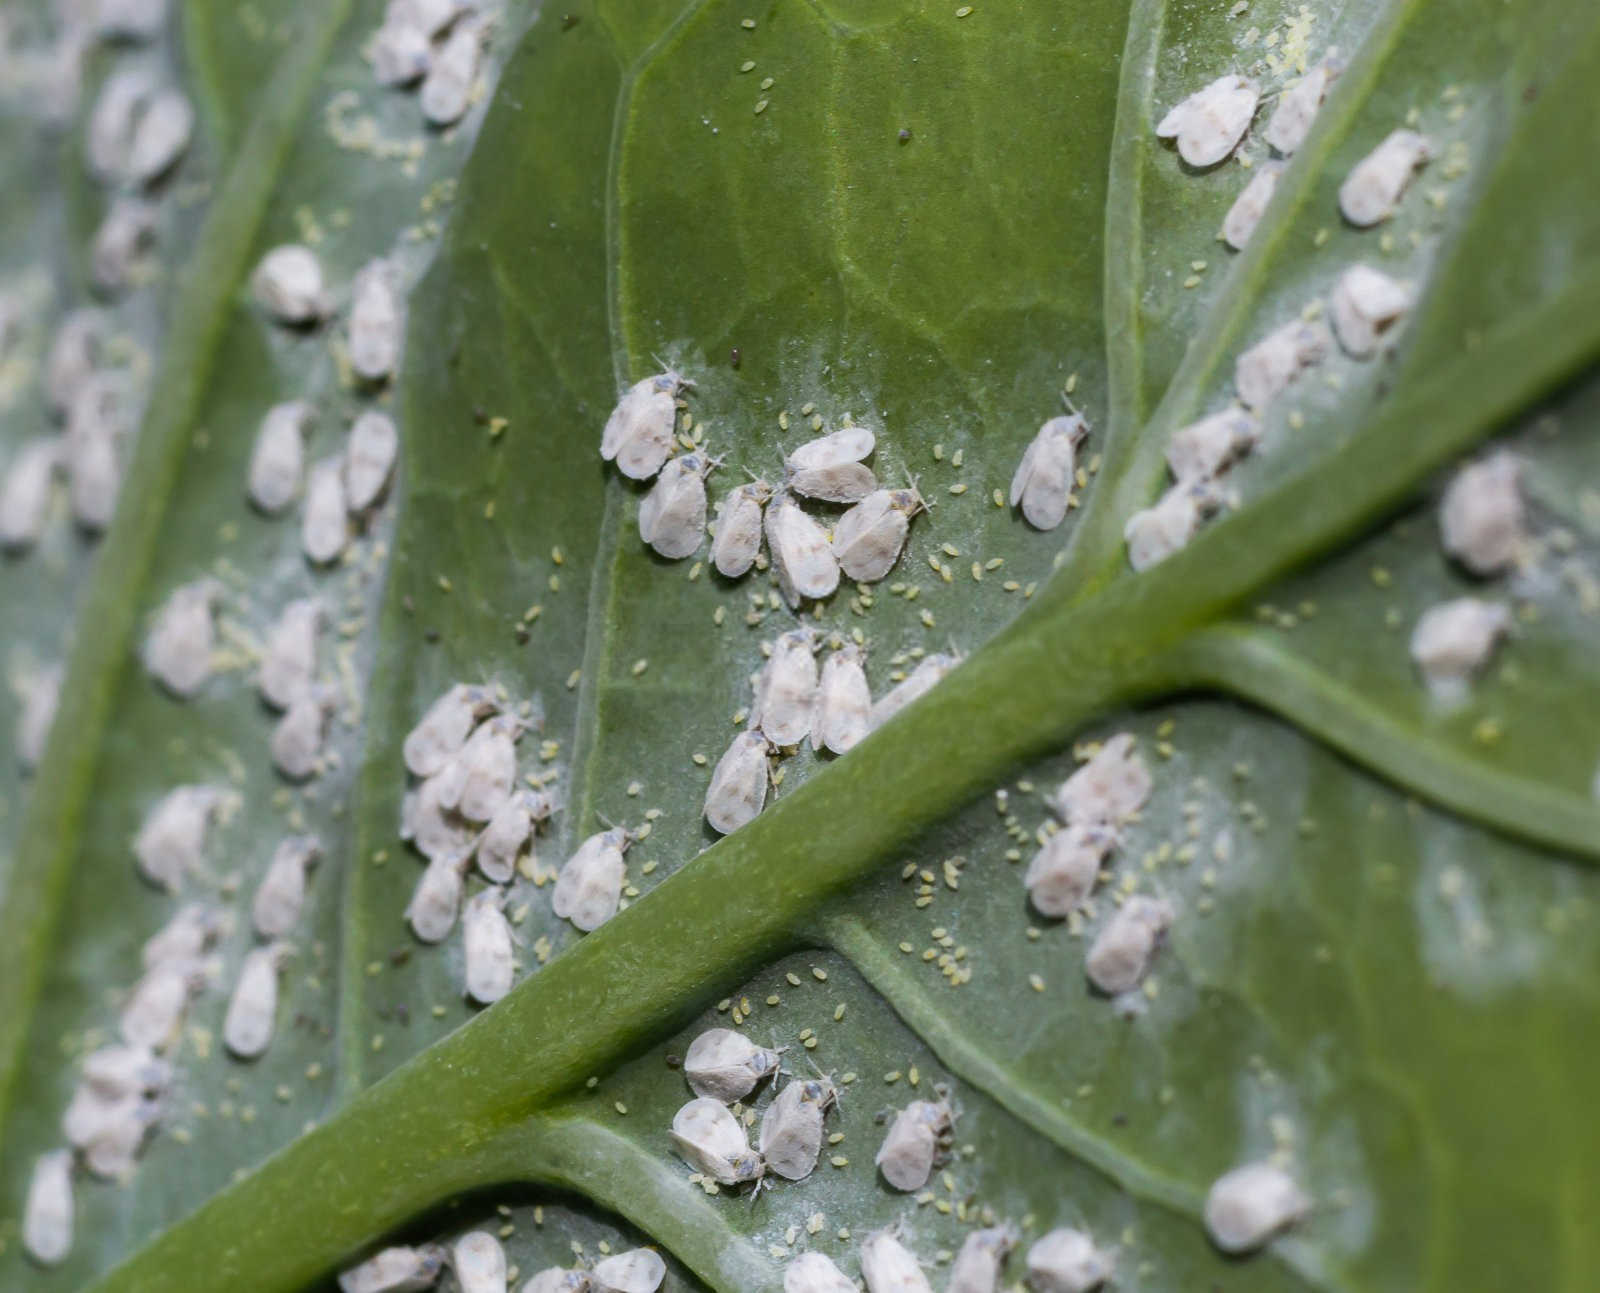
(674, 1061)
(410, 606)
(1119, 1120)
(569, 21)
(399, 956)
(430, 636)
(480, 415)
(523, 635)
(905, 135)
(733, 356)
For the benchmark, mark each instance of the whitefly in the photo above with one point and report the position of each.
(737, 542)
(37, 713)
(830, 467)
(1120, 956)
(1482, 519)
(248, 1025)
(508, 831)
(161, 135)
(842, 716)
(170, 843)
(638, 434)
(126, 233)
(288, 283)
(25, 492)
(977, 1266)
(1068, 1261)
(445, 726)
(816, 1273)
(48, 1211)
(1453, 642)
(1372, 190)
(1209, 124)
(928, 674)
(177, 650)
(588, 889)
(108, 136)
(639, 1270)
(278, 457)
(1251, 1204)
(154, 1010)
(1063, 872)
(710, 1139)
(401, 53)
(1298, 107)
(1239, 225)
(672, 516)
(913, 1143)
(1154, 533)
(74, 356)
(324, 521)
(786, 689)
(376, 321)
(888, 1266)
(436, 900)
(448, 88)
(486, 946)
(396, 1270)
(370, 451)
(281, 895)
(478, 781)
(133, 20)
(1266, 369)
(1110, 788)
(1364, 306)
(868, 539)
(186, 937)
(94, 452)
(558, 1279)
(1043, 481)
(297, 739)
(1208, 447)
(802, 557)
(435, 831)
(725, 1065)
(738, 789)
(791, 1128)
(289, 658)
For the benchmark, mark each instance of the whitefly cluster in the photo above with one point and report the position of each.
(436, 48)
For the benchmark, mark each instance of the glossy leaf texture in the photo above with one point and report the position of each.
(934, 222)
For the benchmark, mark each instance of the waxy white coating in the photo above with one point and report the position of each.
(843, 713)
(370, 451)
(281, 895)
(177, 650)
(802, 556)
(1249, 1205)
(437, 898)
(288, 284)
(1481, 518)
(1375, 185)
(738, 789)
(672, 516)
(1251, 204)
(324, 527)
(278, 458)
(253, 1008)
(1044, 479)
(289, 660)
(1298, 106)
(448, 88)
(444, 727)
(725, 1065)
(1209, 124)
(1366, 303)
(486, 941)
(786, 689)
(1063, 872)
(888, 1266)
(1120, 956)
(47, 1215)
(737, 542)
(376, 321)
(638, 434)
(478, 781)
(436, 831)
(1266, 369)
(791, 1128)
(1454, 640)
(815, 1273)
(1067, 1261)
(912, 1142)
(395, 1270)
(479, 1263)
(170, 843)
(588, 889)
(710, 1139)
(868, 539)
(1205, 449)
(1110, 788)
(25, 492)
(639, 1270)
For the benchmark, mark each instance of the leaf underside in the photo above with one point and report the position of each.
(931, 221)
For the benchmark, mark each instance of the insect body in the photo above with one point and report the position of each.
(437, 898)
(1365, 304)
(1265, 370)
(177, 651)
(638, 434)
(888, 1266)
(370, 451)
(288, 283)
(802, 557)
(1209, 124)
(479, 1263)
(738, 789)
(1205, 449)
(395, 1270)
(1454, 640)
(252, 1010)
(709, 1139)
(639, 1270)
(869, 537)
(171, 840)
(976, 1268)
(1375, 185)
(1120, 955)
(1063, 872)
(375, 322)
(486, 938)
(786, 690)
(1067, 1261)
(672, 516)
(443, 729)
(831, 468)
(1110, 788)
(1251, 204)
(1043, 480)
(1249, 1205)
(281, 894)
(1298, 106)
(289, 663)
(1155, 533)
(791, 1128)
(914, 1140)
(726, 1065)
(47, 1215)
(738, 539)
(842, 716)
(277, 462)
(1481, 517)
(589, 888)
(814, 1273)
(918, 683)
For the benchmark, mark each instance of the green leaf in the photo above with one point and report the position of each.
(932, 221)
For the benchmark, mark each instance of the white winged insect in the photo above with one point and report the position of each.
(1110, 788)
(161, 135)
(1205, 449)
(1251, 204)
(930, 671)
(171, 840)
(888, 1266)
(638, 434)
(1155, 533)
(289, 659)
(25, 493)
(113, 121)
(279, 898)
(486, 944)
(296, 742)
(479, 1263)
(1481, 518)
(672, 516)
(177, 650)
(252, 1015)
(1266, 369)
(976, 1268)
(73, 358)
(1209, 124)
(508, 830)
(639, 1270)
(134, 20)
(1298, 106)
(786, 689)
(558, 1279)
(126, 233)
(116, 1072)
(1366, 303)
(815, 1273)
(738, 789)
(1454, 640)
(1067, 1261)
(1373, 188)
(40, 697)
(1043, 480)
(324, 525)
(843, 712)
(1063, 872)
(478, 781)
(737, 542)
(370, 451)
(395, 1270)
(185, 937)
(153, 1013)
(448, 88)
(401, 53)
(710, 1139)
(1121, 953)
(868, 539)
(434, 830)
(830, 467)
(375, 321)
(444, 727)
(288, 283)
(47, 1215)
(96, 424)
(915, 1139)
(726, 1065)
(1249, 1205)
(588, 889)
(791, 1127)
(802, 556)
(437, 898)
(278, 458)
